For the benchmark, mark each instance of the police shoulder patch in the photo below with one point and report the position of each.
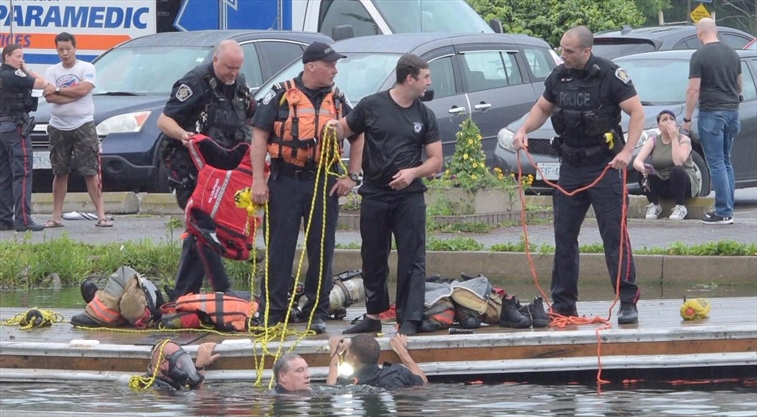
(20, 73)
(184, 92)
(622, 75)
(268, 97)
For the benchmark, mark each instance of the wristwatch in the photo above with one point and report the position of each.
(685, 120)
(57, 90)
(354, 177)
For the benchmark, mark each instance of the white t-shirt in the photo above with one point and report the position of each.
(72, 115)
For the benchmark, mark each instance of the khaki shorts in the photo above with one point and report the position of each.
(81, 143)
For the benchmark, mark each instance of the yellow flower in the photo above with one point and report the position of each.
(465, 156)
(473, 176)
(475, 165)
(500, 176)
(470, 141)
(478, 137)
(498, 170)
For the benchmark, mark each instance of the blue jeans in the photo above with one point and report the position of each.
(717, 129)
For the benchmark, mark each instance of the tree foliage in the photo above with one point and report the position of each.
(549, 19)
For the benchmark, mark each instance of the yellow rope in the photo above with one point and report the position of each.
(34, 317)
(140, 382)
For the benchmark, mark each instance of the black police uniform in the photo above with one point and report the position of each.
(202, 103)
(16, 153)
(586, 108)
(291, 190)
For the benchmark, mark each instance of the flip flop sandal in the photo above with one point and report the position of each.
(104, 223)
(52, 224)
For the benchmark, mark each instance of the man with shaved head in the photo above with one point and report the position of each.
(212, 99)
(584, 97)
(715, 84)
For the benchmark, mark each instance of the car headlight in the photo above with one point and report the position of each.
(123, 123)
(646, 134)
(505, 139)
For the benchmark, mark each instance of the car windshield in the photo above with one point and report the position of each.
(658, 81)
(412, 16)
(610, 48)
(145, 70)
(360, 74)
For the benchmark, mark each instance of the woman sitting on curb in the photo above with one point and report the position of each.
(671, 171)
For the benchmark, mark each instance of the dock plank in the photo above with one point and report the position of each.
(661, 336)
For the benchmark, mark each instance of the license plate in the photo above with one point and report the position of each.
(548, 171)
(41, 160)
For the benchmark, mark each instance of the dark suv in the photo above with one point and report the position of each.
(627, 41)
(134, 80)
(493, 78)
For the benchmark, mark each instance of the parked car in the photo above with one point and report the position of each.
(661, 79)
(134, 80)
(627, 41)
(493, 78)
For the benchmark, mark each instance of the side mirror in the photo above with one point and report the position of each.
(340, 32)
(496, 25)
(429, 95)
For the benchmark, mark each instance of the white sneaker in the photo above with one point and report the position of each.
(653, 211)
(679, 213)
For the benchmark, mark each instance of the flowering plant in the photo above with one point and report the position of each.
(467, 168)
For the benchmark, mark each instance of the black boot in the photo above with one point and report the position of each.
(511, 317)
(88, 290)
(628, 313)
(83, 320)
(367, 325)
(539, 316)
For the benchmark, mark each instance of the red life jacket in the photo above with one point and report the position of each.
(225, 312)
(223, 174)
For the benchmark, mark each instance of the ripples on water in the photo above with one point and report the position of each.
(225, 399)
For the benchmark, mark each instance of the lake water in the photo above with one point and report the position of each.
(226, 399)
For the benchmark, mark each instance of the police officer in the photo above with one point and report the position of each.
(289, 125)
(16, 101)
(212, 99)
(584, 96)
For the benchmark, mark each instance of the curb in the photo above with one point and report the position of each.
(165, 204)
(511, 266)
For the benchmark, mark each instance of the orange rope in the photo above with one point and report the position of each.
(557, 320)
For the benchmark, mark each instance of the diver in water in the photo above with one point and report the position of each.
(172, 368)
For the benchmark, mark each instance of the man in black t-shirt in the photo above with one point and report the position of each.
(398, 127)
(362, 353)
(715, 82)
(584, 96)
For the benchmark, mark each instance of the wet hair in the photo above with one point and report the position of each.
(409, 64)
(666, 111)
(65, 37)
(365, 348)
(584, 35)
(282, 365)
(10, 48)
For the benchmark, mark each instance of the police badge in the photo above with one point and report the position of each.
(20, 73)
(622, 75)
(183, 93)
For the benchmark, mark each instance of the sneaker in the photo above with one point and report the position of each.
(653, 211)
(511, 317)
(88, 290)
(628, 314)
(679, 212)
(715, 219)
(709, 213)
(318, 325)
(33, 227)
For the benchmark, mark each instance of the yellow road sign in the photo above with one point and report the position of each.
(699, 13)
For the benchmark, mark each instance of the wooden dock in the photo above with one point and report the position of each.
(660, 343)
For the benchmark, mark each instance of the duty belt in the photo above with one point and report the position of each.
(280, 167)
(8, 118)
(584, 156)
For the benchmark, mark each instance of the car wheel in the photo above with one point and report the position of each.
(702, 172)
(160, 179)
